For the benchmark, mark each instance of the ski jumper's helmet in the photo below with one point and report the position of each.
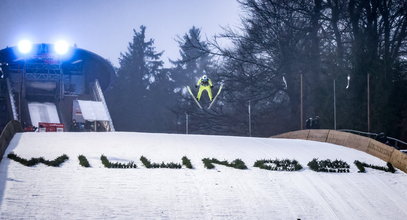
(205, 78)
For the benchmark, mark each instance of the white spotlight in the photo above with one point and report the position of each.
(24, 46)
(61, 47)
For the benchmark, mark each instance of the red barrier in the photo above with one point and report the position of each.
(50, 127)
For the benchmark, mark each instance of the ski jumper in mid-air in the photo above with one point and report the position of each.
(204, 84)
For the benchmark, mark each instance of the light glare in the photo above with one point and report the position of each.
(24, 46)
(61, 47)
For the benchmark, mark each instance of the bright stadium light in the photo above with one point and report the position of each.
(61, 47)
(25, 46)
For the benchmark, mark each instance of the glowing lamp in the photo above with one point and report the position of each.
(347, 86)
(61, 47)
(25, 46)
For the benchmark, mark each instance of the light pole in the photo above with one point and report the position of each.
(347, 86)
(301, 105)
(368, 103)
(334, 104)
(186, 123)
(250, 119)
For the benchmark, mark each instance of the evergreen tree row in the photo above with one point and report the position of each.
(147, 163)
(83, 161)
(238, 163)
(361, 166)
(34, 161)
(279, 45)
(336, 166)
(109, 164)
(278, 165)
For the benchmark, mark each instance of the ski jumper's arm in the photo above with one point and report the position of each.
(199, 82)
(210, 83)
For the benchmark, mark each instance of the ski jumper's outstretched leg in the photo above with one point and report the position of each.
(207, 89)
(201, 89)
(198, 97)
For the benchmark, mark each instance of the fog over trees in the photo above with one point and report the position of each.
(278, 42)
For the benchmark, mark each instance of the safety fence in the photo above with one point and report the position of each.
(365, 144)
(394, 142)
(7, 134)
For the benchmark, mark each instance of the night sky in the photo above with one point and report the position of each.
(105, 26)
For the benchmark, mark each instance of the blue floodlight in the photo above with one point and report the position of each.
(61, 47)
(25, 46)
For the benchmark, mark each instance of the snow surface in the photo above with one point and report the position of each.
(93, 111)
(74, 192)
(43, 112)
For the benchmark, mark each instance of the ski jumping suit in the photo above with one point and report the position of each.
(204, 86)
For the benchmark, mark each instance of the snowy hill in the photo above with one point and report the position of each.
(75, 192)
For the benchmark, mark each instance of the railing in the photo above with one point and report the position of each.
(7, 134)
(12, 101)
(396, 143)
(101, 97)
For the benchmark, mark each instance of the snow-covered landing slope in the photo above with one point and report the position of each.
(74, 192)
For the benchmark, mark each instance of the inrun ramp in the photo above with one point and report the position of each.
(43, 112)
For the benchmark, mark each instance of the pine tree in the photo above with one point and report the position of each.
(195, 59)
(131, 95)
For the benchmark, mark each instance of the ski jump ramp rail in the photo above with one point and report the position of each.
(100, 97)
(365, 144)
(12, 101)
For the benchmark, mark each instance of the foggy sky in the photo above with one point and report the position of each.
(106, 26)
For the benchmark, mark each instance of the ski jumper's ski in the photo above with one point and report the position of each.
(193, 97)
(216, 96)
